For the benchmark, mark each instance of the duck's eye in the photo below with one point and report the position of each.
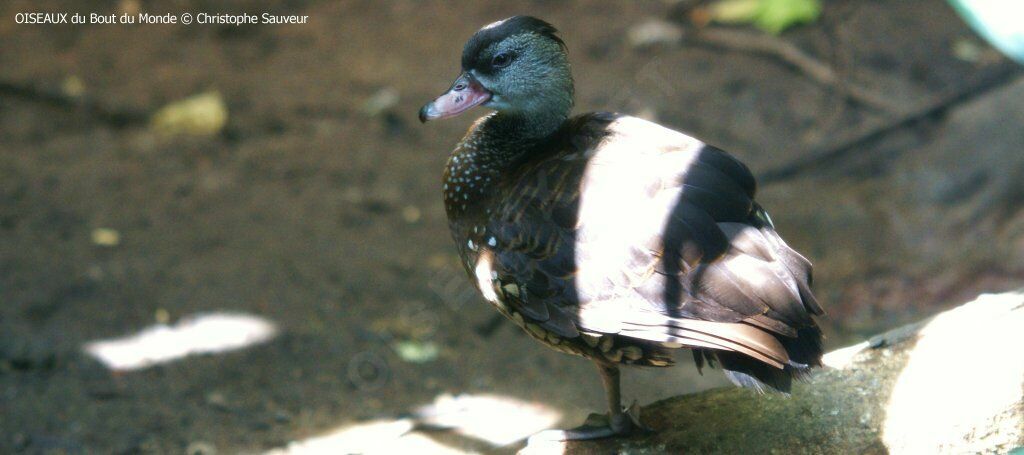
(501, 60)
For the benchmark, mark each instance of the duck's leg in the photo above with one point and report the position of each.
(618, 421)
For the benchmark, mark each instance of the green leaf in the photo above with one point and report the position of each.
(772, 16)
(778, 15)
(735, 11)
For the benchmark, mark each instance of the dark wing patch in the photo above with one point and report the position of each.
(534, 233)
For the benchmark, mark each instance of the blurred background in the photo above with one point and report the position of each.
(220, 238)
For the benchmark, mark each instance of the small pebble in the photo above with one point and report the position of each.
(106, 237)
(162, 316)
(200, 448)
(385, 99)
(73, 86)
(217, 400)
(130, 7)
(411, 214)
(654, 32)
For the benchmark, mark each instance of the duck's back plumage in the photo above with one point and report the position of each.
(619, 239)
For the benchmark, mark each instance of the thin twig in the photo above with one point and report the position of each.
(790, 54)
(858, 139)
(117, 117)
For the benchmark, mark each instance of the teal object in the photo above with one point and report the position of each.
(1001, 22)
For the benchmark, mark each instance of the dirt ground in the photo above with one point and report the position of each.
(315, 213)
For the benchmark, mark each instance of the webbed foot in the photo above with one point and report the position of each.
(598, 426)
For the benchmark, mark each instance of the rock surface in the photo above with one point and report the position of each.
(950, 384)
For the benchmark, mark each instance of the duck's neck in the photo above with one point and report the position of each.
(524, 126)
(491, 149)
(503, 138)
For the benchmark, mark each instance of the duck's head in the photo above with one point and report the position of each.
(516, 66)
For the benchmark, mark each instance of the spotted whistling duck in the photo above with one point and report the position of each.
(611, 237)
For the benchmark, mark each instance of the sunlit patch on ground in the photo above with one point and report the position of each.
(496, 419)
(379, 436)
(199, 334)
(965, 372)
(492, 419)
(842, 358)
